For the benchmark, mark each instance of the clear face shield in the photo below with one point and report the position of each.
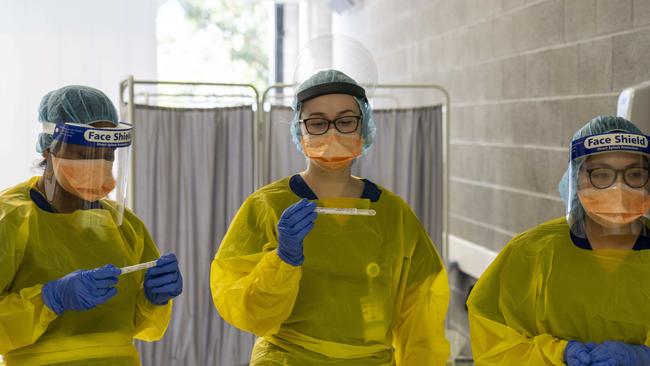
(89, 167)
(332, 131)
(337, 52)
(609, 191)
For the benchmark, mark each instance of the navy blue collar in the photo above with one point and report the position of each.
(642, 242)
(40, 201)
(44, 205)
(302, 190)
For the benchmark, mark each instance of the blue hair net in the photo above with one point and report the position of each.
(73, 103)
(598, 125)
(368, 128)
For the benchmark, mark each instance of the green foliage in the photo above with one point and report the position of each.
(244, 24)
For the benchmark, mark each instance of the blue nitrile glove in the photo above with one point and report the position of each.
(164, 281)
(295, 223)
(81, 290)
(577, 354)
(610, 353)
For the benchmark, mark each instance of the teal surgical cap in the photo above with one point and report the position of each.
(598, 125)
(333, 82)
(76, 104)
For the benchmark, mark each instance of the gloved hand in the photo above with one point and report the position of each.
(164, 281)
(81, 290)
(577, 354)
(295, 223)
(610, 353)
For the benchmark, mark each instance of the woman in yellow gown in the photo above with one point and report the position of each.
(332, 289)
(63, 301)
(574, 290)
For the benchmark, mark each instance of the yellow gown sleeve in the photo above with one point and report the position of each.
(503, 328)
(151, 320)
(252, 288)
(24, 317)
(419, 334)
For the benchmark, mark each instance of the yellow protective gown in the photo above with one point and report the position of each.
(37, 247)
(371, 291)
(542, 291)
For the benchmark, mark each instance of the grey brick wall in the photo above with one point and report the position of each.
(523, 76)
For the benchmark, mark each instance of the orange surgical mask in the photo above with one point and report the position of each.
(615, 206)
(90, 179)
(332, 151)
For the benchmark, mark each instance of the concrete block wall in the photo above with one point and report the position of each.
(523, 76)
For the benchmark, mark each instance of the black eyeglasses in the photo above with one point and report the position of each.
(320, 126)
(635, 177)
